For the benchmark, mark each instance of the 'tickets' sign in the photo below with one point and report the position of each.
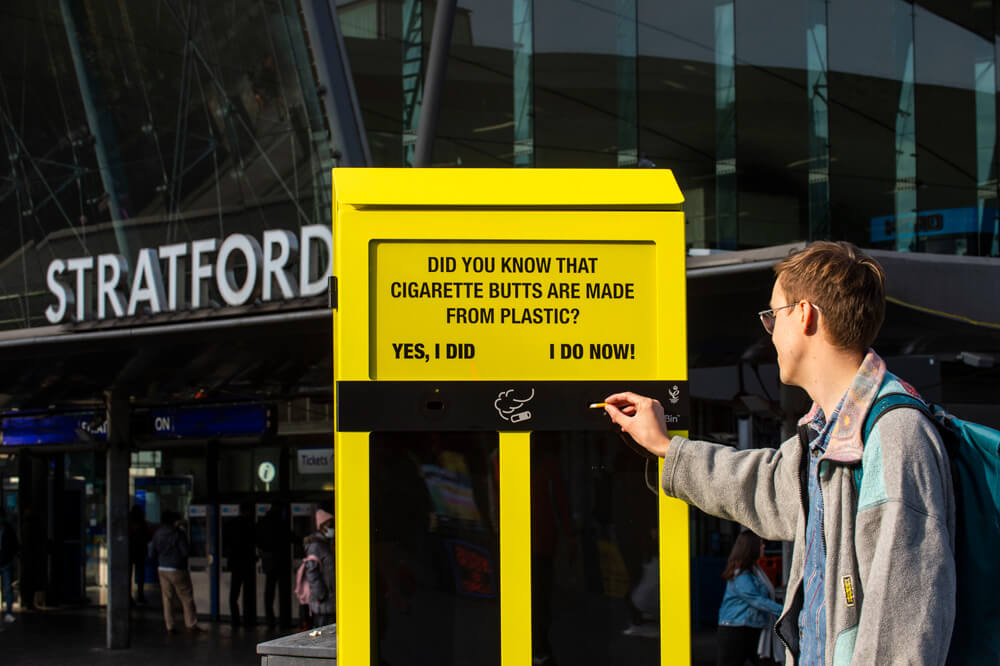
(486, 310)
(315, 461)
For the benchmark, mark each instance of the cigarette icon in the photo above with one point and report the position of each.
(598, 405)
(520, 416)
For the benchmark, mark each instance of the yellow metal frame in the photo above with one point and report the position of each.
(637, 206)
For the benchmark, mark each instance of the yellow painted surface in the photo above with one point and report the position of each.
(353, 554)
(524, 188)
(675, 580)
(390, 223)
(515, 548)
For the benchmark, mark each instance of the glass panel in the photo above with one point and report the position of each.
(626, 50)
(948, 163)
(594, 565)
(374, 48)
(435, 548)
(236, 471)
(772, 122)
(985, 243)
(819, 127)
(524, 84)
(905, 124)
(726, 192)
(412, 31)
(864, 98)
(576, 79)
(476, 122)
(676, 80)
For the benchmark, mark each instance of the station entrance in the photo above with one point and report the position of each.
(55, 495)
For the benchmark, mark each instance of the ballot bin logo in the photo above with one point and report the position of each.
(675, 395)
(512, 408)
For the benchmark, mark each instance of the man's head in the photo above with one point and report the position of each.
(835, 295)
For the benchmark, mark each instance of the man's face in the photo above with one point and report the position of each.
(787, 335)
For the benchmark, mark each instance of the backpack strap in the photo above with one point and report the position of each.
(883, 405)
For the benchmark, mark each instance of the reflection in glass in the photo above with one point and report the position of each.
(145, 128)
(906, 144)
(986, 150)
(676, 98)
(819, 128)
(772, 122)
(594, 564)
(863, 102)
(524, 51)
(576, 75)
(986, 144)
(726, 196)
(435, 548)
(626, 50)
(413, 80)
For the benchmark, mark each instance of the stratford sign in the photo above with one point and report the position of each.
(282, 265)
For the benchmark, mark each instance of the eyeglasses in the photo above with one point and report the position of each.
(767, 316)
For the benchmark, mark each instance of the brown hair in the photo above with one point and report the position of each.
(845, 284)
(744, 554)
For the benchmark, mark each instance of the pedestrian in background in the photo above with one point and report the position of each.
(241, 555)
(748, 605)
(319, 571)
(170, 547)
(9, 548)
(274, 539)
(138, 541)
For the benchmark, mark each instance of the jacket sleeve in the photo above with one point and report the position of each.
(758, 488)
(314, 576)
(904, 542)
(746, 591)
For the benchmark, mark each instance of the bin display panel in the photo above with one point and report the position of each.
(495, 310)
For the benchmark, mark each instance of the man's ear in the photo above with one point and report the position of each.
(809, 318)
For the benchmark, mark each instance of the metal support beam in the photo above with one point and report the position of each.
(437, 67)
(335, 84)
(101, 128)
(118, 459)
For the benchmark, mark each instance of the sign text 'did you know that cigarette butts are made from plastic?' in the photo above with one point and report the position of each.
(492, 310)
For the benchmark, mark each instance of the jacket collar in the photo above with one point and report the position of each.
(846, 443)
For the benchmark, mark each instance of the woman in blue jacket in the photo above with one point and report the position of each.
(748, 604)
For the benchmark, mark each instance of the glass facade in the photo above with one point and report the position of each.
(871, 122)
(127, 128)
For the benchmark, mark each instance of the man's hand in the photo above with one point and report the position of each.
(642, 418)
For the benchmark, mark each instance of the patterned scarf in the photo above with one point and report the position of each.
(846, 443)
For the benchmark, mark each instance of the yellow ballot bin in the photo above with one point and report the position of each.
(481, 307)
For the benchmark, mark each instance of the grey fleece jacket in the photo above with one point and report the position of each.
(890, 568)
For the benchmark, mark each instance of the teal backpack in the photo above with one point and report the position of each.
(974, 451)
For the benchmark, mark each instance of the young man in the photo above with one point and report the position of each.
(872, 578)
